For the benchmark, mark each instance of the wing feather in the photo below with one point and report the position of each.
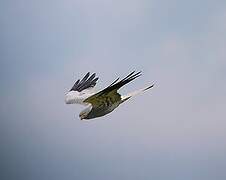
(87, 82)
(111, 91)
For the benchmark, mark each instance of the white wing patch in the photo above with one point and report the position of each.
(75, 97)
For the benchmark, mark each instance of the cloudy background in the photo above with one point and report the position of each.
(175, 131)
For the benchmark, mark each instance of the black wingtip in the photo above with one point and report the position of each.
(85, 77)
(114, 82)
(86, 82)
(128, 76)
(149, 87)
(132, 77)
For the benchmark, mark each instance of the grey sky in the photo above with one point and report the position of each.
(175, 131)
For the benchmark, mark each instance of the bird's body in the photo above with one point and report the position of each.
(102, 110)
(99, 103)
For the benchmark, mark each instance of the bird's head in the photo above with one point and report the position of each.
(83, 116)
(85, 113)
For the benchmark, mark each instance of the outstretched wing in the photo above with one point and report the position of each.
(81, 90)
(87, 82)
(109, 95)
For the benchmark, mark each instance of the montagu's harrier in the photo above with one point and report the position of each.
(102, 102)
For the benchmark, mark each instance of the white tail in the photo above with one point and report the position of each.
(134, 93)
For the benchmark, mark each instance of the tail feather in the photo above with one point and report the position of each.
(134, 93)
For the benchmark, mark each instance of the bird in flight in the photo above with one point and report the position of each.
(100, 103)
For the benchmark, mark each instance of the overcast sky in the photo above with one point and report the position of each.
(175, 131)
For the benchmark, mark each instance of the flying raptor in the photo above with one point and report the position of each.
(100, 103)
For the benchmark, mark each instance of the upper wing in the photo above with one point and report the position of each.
(110, 94)
(104, 100)
(81, 90)
(87, 82)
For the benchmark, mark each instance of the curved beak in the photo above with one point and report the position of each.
(81, 116)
